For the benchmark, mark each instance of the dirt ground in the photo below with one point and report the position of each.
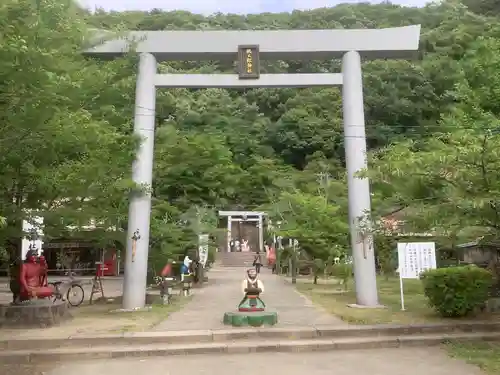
(98, 317)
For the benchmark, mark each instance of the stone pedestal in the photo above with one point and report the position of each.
(34, 314)
(250, 318)
(151, 299)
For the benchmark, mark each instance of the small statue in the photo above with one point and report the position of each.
(185, 268)
(252, 288)
(271, 257)
(237, 247)
(244, 246)
(165, 282)
(167, 270)
(33, 277)
(251, 310)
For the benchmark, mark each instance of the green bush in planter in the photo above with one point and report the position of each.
(457, 291)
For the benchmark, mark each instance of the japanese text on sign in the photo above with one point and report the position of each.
(248, 58)
(203, 248)
(415, 258)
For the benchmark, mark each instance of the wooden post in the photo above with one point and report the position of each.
(97, 282)
(229, 235)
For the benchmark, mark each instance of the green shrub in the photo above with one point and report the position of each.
(318, 266)
(457, 291)
(342, 271)
(212, 252)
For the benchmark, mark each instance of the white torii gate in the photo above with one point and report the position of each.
(233, 216)
(248, 47)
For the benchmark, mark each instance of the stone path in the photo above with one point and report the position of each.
(223, 294)
(407, 361)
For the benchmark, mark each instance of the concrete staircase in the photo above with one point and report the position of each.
(235, 259)
(239, 341)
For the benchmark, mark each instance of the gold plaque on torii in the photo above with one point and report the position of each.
(248, 61)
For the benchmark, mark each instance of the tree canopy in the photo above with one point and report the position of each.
(66, 143)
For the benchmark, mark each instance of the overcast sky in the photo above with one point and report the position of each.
(228, 6)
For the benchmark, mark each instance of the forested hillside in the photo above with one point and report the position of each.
(66, 121)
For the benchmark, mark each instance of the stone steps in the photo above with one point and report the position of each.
(236, 259)
(237, 347)
(142, 344)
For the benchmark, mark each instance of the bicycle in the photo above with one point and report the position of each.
(74, 293)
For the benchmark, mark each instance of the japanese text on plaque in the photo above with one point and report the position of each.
(249, 62)
(415, 258)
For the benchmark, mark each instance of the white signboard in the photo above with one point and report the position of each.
(413, 259)
(33, 239)
(203, 248)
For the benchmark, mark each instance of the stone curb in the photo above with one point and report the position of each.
(242, 347)
(225, 335)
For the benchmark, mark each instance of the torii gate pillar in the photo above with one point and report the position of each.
(358, 188)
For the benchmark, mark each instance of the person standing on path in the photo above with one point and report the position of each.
(257, 262)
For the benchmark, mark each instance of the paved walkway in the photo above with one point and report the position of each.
(407, 361)
(223, 294)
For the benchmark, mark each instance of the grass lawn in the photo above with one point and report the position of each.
(102, 318)
(484, 354)
(417, 311)
(127, 321)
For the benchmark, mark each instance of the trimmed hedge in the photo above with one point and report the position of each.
(457, 291)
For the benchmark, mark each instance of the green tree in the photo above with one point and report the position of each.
(486, 7)
(453, 179)
(63, 155)
(316, 224)
(67, 145)
(194, 168)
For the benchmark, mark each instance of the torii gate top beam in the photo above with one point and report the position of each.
(395, 43)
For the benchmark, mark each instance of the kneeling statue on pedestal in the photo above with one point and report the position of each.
(251, 308)
(252, 288)
(33, 278)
